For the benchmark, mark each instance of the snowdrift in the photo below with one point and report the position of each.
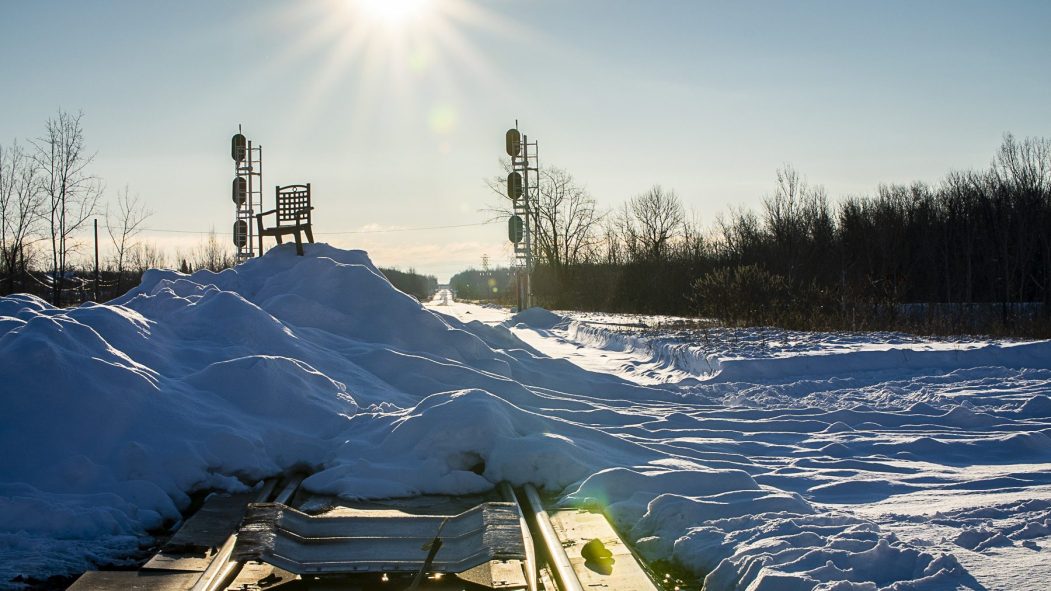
(754, 358)
(111, 415)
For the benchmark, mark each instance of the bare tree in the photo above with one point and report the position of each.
(565, 219)
(70, 193)
(20, 204)
(212, 255)
(694, 245)
(739, 234)
(1024, 165)
(795, 216)
(612, 241)
(564, 216)
(627, 229)
(660, 217)
(144, 255)
(123, 226)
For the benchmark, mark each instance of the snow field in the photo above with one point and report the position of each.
(920, 464)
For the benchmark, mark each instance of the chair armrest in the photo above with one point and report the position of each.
(304, 210)
(259, 216)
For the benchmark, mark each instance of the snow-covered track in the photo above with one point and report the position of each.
(198, 556)
(241, 541)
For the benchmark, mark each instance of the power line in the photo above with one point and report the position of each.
(420, 228)
(386, 231)
(176, 231)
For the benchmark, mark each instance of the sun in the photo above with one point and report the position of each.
(392, 12)
(370, 57)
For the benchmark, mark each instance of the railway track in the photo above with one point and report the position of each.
(282, 537)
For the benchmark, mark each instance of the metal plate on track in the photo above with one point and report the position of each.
(192, 548)
(347, 544)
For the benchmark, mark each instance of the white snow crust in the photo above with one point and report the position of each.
(785, 467)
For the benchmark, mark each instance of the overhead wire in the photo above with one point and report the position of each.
(381, 231)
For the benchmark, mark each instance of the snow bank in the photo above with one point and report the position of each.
(1011, 355)
(216, 380)
(684, 357)
(767, 355)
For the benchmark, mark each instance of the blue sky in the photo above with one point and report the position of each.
(396, 121)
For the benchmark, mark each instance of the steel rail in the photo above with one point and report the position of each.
(567, 579)
(531, 564)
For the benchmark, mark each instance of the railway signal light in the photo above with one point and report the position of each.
(240, 191)
(240, 233)
(238, 147)
(513, 142)
(514, 185)
(515, 229)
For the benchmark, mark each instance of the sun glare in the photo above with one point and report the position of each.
(413, 57)
(392, 12)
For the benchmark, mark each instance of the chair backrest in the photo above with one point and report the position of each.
(291, 199)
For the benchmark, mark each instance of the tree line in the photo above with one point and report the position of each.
(970, 253)
(421, 287)
(485, 284)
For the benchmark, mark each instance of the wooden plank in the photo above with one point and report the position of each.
(259, 575)
(496, 574)
(193, 547)
(134, 581)
(577, 528)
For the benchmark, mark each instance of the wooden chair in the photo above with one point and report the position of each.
(293, 216)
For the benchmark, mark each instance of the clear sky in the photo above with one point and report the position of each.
(395, 110)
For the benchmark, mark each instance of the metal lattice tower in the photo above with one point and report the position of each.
(523, 188)
(247, 192)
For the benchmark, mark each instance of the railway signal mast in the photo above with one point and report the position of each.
(246, 192)
(524, 195)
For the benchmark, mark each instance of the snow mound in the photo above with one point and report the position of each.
(538, 318)
(837, 427)
(217, 380)
(1036, 407)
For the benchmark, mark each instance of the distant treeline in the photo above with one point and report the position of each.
(969, 254)
(493, 284)
(31, 274)
(422, 287)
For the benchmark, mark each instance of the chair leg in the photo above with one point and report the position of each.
(260, 242)
(310, 233)
(299, 244)
(280, 240)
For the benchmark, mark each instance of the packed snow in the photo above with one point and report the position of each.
(833, 462)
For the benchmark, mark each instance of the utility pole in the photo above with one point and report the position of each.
(96, 260)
